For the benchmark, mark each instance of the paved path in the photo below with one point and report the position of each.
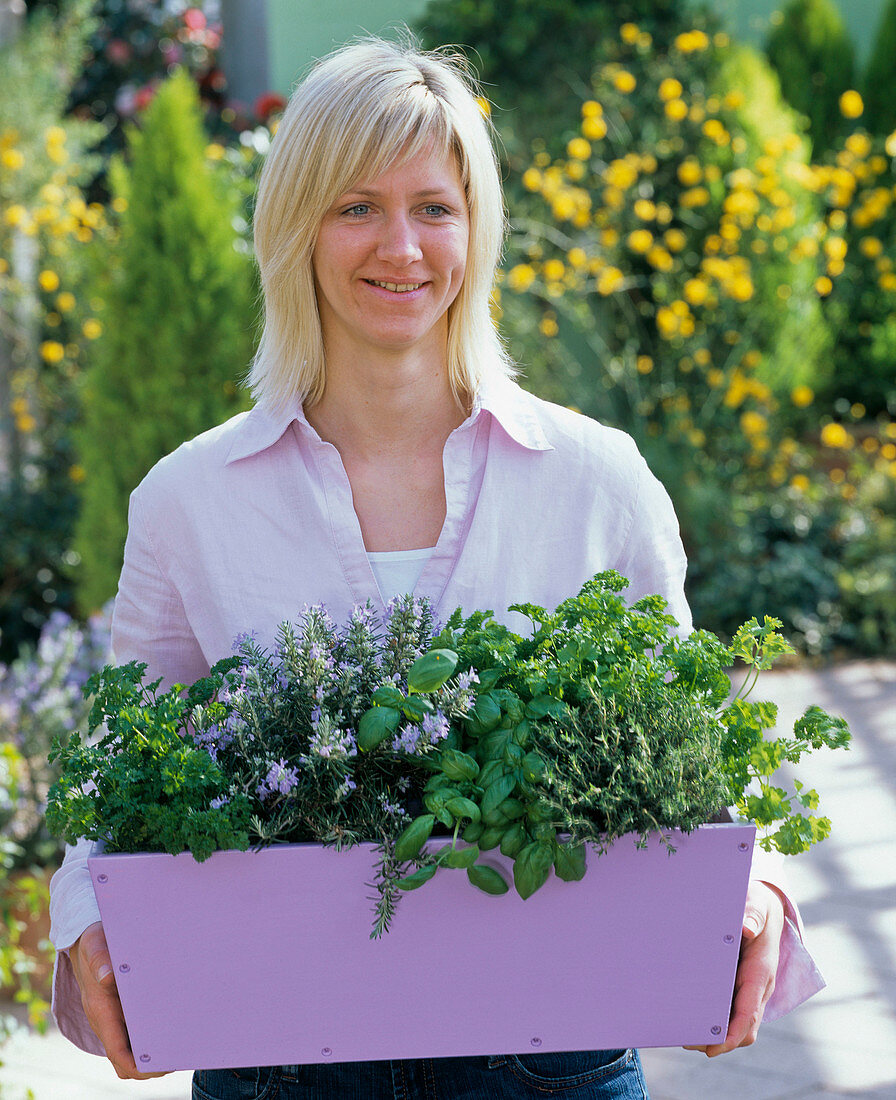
(841, 1043)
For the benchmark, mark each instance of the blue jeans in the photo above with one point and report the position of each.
(576, 1075)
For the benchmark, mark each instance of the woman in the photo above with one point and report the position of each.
(388, 451)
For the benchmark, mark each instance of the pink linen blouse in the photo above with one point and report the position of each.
(243, 526)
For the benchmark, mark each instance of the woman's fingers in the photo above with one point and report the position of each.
(754, 982)
(99, 995)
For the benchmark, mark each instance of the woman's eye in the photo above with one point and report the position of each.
(434, 210)
(357, 210)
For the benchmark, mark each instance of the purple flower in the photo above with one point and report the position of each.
(435, 726)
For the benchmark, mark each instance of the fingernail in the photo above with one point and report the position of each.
(103, 972)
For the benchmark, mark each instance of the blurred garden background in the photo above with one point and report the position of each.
(702, 251)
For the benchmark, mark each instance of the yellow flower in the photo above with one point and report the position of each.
(575, 169)
(532, 179)
(823, 286)
(676, 109)
(670, 88)
(577, 257)
(675, 240)
(800, 482)
(835, 248)
(644, 364)
(26, 423)
(702, 357)
(870, 247)
(640, 240)
(55, 135)
(666, 322)
(644, 209)
(624, 82)
(591, 109)
(16, 214)
(548, 326)
(65, 301)
(689, 172)
(691, 41)
(48, 281)
(753, 423)
(696, 291)
(12, 159)
(609, 238)
(609, 281)
(715, 377)
(579, 149)
(887, 281)
(802, 396)
(92, 328)
(851, 105)
(119, 205)
(695, 196)
(215, 151)
(858, 144)
(521, 277)
(741, 288)
(594, 128)
(52, 351)
(659, 258)
(77, 473)
(890, 145)
(554, 270)
(835, 435)
(629, 32)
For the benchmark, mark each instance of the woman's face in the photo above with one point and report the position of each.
(390, 259)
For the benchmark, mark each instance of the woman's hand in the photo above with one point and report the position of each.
(754, 982)
(90, 961)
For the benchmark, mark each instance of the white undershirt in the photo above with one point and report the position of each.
(397, 571)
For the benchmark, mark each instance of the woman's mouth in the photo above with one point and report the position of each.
(397, 288)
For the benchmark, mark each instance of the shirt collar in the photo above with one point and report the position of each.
(513, 408)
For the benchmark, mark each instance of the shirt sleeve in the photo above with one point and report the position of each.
(149, 624)
(797, 977)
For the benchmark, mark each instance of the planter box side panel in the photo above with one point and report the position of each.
(265, 958)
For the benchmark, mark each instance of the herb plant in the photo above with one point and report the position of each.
(602, 722)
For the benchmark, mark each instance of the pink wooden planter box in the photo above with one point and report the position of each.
(264, 958)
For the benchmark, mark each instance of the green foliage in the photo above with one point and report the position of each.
(811, 51)
(44, 159)
(600, 723)
(178, 304)
(535, 57)
(880, 76)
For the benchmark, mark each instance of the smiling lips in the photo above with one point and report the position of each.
(399, 288)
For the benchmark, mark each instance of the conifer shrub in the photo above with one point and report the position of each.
(178, 319)
(880, 76)
(813, 55)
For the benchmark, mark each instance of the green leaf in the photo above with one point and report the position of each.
(414, 837)
(569, 861)
(533, 767)
(514, 839)
(497, 792)
(491, 837)
(463, 807)
(531, 868)
(460, 857)
(487, 879)
(376, 725)
(388, 695)
(412, 882)
(431, 670)
(458, 765)
(485, 715)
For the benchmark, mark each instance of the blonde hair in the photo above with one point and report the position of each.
(361, 109)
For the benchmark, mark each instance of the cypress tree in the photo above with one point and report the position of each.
(880, 77)
(178, 321)
(815, 60)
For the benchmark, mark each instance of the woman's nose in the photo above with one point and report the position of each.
(399, 242)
